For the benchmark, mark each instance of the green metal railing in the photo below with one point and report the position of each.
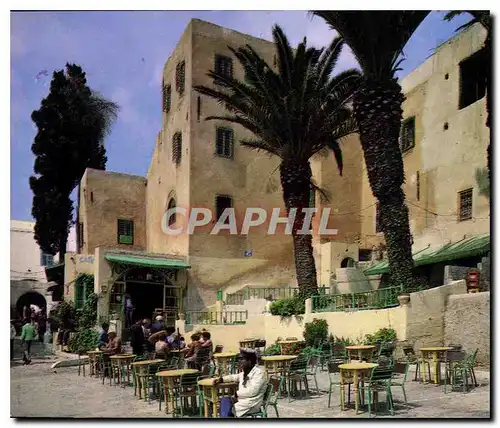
(276, 293)
(226, 317)
(375, 299)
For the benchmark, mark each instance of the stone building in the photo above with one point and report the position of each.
(28, 282)
(199, 164)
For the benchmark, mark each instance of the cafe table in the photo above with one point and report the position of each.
(436, 352)
(360, 352)
(223, 359)
(212, 394)
(139, 369)
(278, 363)
(121, 363)
(248, 343)
(170, 377)
(357, 372)
(94, 361)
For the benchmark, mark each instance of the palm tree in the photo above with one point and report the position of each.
(377, 40)
(294, 113)
(484, 18)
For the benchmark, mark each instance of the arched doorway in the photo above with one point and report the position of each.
(28, 299)
(150, 290)
(348, 262)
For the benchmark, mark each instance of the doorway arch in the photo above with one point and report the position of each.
(30, 298)
(347, 262)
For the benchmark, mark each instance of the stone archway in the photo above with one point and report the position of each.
(348, 262)
(30, 298)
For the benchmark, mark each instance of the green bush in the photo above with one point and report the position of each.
(64, 315)
(315, 330)
(84, 340)
(344, 341)
(87, 315)
(272, 350)
(384, 335)
(288, 307)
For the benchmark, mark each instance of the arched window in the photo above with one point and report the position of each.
(347, 263)
(172, 219)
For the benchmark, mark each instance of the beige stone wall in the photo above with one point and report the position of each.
(467, 322)
(75, 264)
(106, 197)
(426, 325)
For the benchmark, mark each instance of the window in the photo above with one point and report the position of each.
(173, 218)
(221, 203)
(180, 76)
(224, 143)
(80, 235)
(365, 255)
(378, 223)
(407, 138)
(465, 205)
(312, 198)
(125, 232)
(418, 185)
(473, 78)
(223, 66)
(177, 148)
(167, 97)
(46, 259)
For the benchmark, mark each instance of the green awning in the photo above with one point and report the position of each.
(470, 247)
(153, 262)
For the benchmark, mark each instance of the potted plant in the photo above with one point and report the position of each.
(404, 298)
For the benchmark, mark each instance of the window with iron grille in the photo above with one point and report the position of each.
(177, 148)
(180, 76)
(46, 259)
(407, 138)
(378, 223)
(221, 203)
(167, 97)
(223, 66)
(173, 217)
(473, 79)
(125, 232)
(224, 145)
(465, 205)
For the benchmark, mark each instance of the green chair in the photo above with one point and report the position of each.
(297, 374)
(401, 367)
(460, 370)
(380, 381)
(148, 380)
(335, 380)
(105, 368)
(187, 389)
(312, 368)
(325, 353)
(271, 396)
(160, 390)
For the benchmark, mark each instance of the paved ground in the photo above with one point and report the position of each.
(36, 391)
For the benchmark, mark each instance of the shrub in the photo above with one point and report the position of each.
(87, 315)
(344, 341)
(84, 340)
(314, 331)
(288, 307)
(384, 335)
(64, 315)
(272, 350)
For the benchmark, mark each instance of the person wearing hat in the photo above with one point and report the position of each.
(158, 325)
(252, 386)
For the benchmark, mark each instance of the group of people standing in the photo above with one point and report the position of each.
(33, 328)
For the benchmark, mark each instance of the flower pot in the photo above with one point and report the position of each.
(404, 299)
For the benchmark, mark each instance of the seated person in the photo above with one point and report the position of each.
(103, 335)
(206, 341)
(114, 345)
(171, 336)
(190, 355)
(252, 385)
(182, 343)
(161, 346)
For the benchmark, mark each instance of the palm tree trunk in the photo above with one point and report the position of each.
(377, 108)
(487, 48)
(295, 180)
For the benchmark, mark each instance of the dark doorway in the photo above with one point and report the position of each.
(347, 263)
(145, 298)
(30, 298)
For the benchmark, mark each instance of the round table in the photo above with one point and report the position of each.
(223, 359)
(169, 378)
(212, 393)
(94, 361)
(122, 362)
(278, 363)
(141, 366)
(361, 351)
(359, 371)
(436, 352)
(248, 343)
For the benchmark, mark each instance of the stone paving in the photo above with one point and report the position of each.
(36, 391)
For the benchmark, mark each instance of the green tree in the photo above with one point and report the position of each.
(72, 123)
(377, 39)
(294, 112)
(484, 18)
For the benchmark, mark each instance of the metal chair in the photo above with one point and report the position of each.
(333, 371)
(187, 388)
(401, 368)
(270, 397)
(297, 373)
(380, 381)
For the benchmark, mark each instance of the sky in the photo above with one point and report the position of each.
(123, 54)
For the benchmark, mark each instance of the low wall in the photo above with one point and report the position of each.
(467, 322)
(425, 323)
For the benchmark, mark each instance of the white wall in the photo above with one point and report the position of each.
(25, 252)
